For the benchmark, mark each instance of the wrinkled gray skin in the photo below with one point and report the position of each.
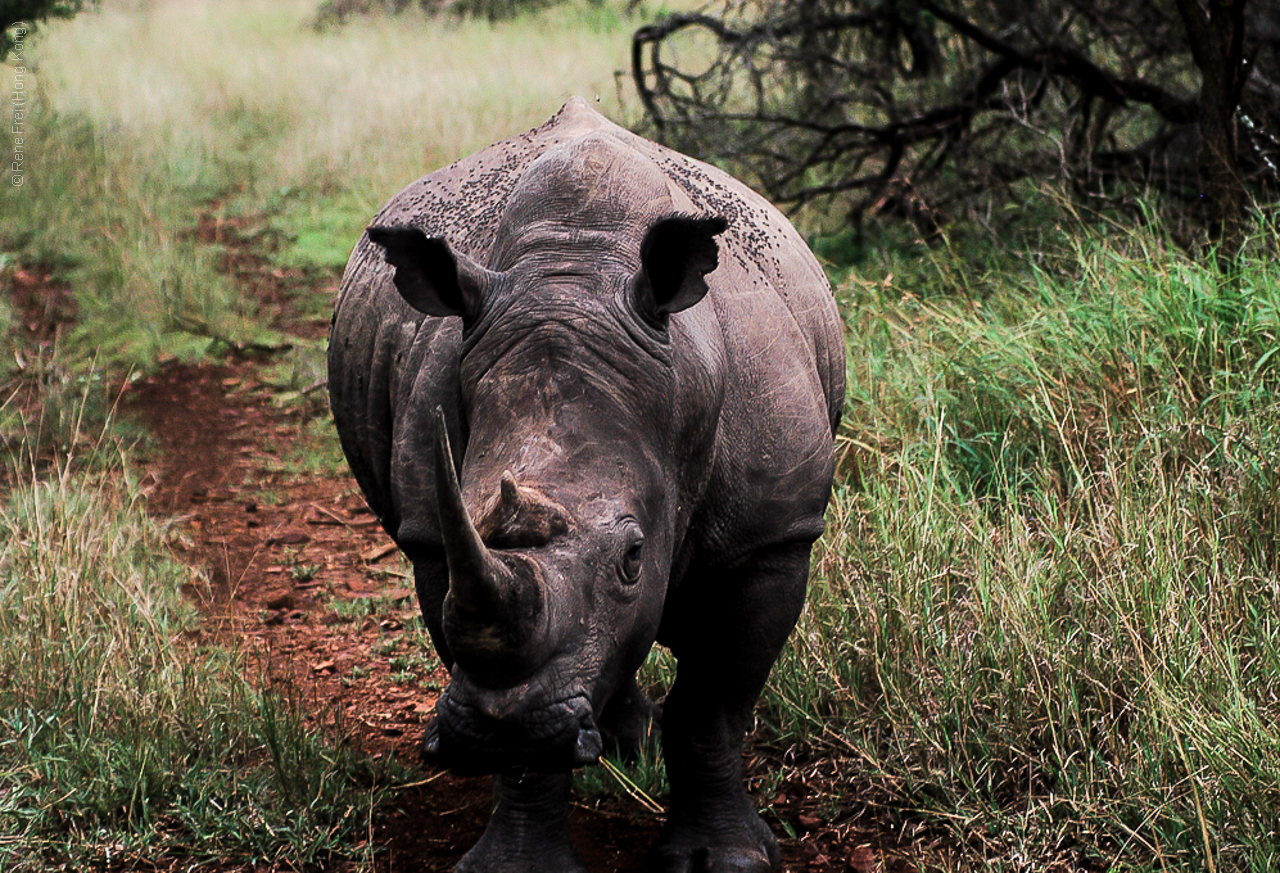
(636, 367)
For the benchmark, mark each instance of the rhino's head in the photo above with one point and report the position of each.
(560, 530)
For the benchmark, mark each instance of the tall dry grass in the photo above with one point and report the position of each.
(371, 105)
(1044, 623)
(125, 733)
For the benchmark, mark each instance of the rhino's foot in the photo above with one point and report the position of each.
(748, 848)
(509, 853)
(529, 830)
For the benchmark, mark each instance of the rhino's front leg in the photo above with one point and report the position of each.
(726, 641)
(712, 826)
(529, 829)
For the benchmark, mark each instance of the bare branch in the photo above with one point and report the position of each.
(864, 100)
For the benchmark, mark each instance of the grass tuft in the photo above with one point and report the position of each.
(151, 740)
(1043, 619)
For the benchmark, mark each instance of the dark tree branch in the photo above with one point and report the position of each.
(1216, 35)
(1070, 63)
(943, 101)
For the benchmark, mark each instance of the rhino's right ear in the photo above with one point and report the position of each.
(430, 276)
(675, 257)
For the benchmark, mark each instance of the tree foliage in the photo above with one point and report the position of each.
(26, 15)
(934, 110)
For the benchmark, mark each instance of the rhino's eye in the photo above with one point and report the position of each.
(629, 568)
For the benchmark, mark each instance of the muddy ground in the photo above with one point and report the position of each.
(305, 579)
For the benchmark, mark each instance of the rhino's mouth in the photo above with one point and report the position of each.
(471, 736)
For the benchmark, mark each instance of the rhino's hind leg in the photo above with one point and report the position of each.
(725, 644)
(529, 829)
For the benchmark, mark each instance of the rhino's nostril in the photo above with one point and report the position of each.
(500, 707)
(494, 710)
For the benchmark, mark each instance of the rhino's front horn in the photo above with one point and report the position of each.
(480, 585)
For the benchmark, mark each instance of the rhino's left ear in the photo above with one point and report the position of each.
(677, 254)
(431, 276)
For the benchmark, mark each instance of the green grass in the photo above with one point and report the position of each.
(1043, 621)
(123, 733)
(72, 412)
(639, 784)
(319, 129)
(120, 235)
(368, 607)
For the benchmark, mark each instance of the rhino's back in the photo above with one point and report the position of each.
(390, 366)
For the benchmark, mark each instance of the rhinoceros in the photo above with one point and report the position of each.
(589, 386)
